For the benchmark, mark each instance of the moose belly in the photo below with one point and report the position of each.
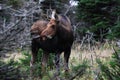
(51, 45)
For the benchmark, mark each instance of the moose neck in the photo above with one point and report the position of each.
(62, 33)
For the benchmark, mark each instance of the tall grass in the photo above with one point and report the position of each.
(75, 70)
(88, 64)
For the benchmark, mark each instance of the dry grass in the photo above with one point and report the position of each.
(91, 53)
(103, 51)
(15, 55)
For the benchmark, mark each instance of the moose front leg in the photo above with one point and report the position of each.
(33, 57)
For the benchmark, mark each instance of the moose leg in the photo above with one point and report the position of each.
(45, 57)
(66, 59)
(33, 57)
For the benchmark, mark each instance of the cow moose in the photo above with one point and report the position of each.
(54, 36)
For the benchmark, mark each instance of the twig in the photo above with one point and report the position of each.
(80, 72)
(67, 10)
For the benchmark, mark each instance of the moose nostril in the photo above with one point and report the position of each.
(49, 37)
(43, 38)
(32, 33)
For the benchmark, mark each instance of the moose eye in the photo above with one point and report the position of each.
(53, 27)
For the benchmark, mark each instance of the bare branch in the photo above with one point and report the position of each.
(79, 73)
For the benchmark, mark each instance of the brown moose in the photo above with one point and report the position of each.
(54, 36)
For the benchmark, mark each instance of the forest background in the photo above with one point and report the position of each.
(94, 22)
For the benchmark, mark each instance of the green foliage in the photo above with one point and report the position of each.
(26, 58)
(50, 61)
(8, 71)
(114, 33)
(75, 70)
(84, 65)
(24, 63)
(100, 15)
(111, 70)
(15, 3)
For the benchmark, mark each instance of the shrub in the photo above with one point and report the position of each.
(111, 70)
(100, 16)
(15, 3)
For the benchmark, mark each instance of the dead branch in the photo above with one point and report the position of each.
(79, 73)
(68, 9)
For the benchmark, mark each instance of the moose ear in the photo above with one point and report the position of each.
(57, 18)
(53, 14)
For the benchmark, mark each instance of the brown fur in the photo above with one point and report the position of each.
(61, 39)
(38, 26)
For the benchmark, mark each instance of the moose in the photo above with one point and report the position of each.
(53, 36)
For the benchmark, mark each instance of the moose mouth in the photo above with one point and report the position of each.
(49, 37)
(46, 37)
(34, 36)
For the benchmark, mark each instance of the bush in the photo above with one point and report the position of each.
(23, 63)
(8, 71)
(111, 70)
(114, 33)
(15, 3)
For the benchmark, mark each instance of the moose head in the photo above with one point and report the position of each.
(45, 29)
(51, 28)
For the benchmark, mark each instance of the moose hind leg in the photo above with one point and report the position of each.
(66, 59)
